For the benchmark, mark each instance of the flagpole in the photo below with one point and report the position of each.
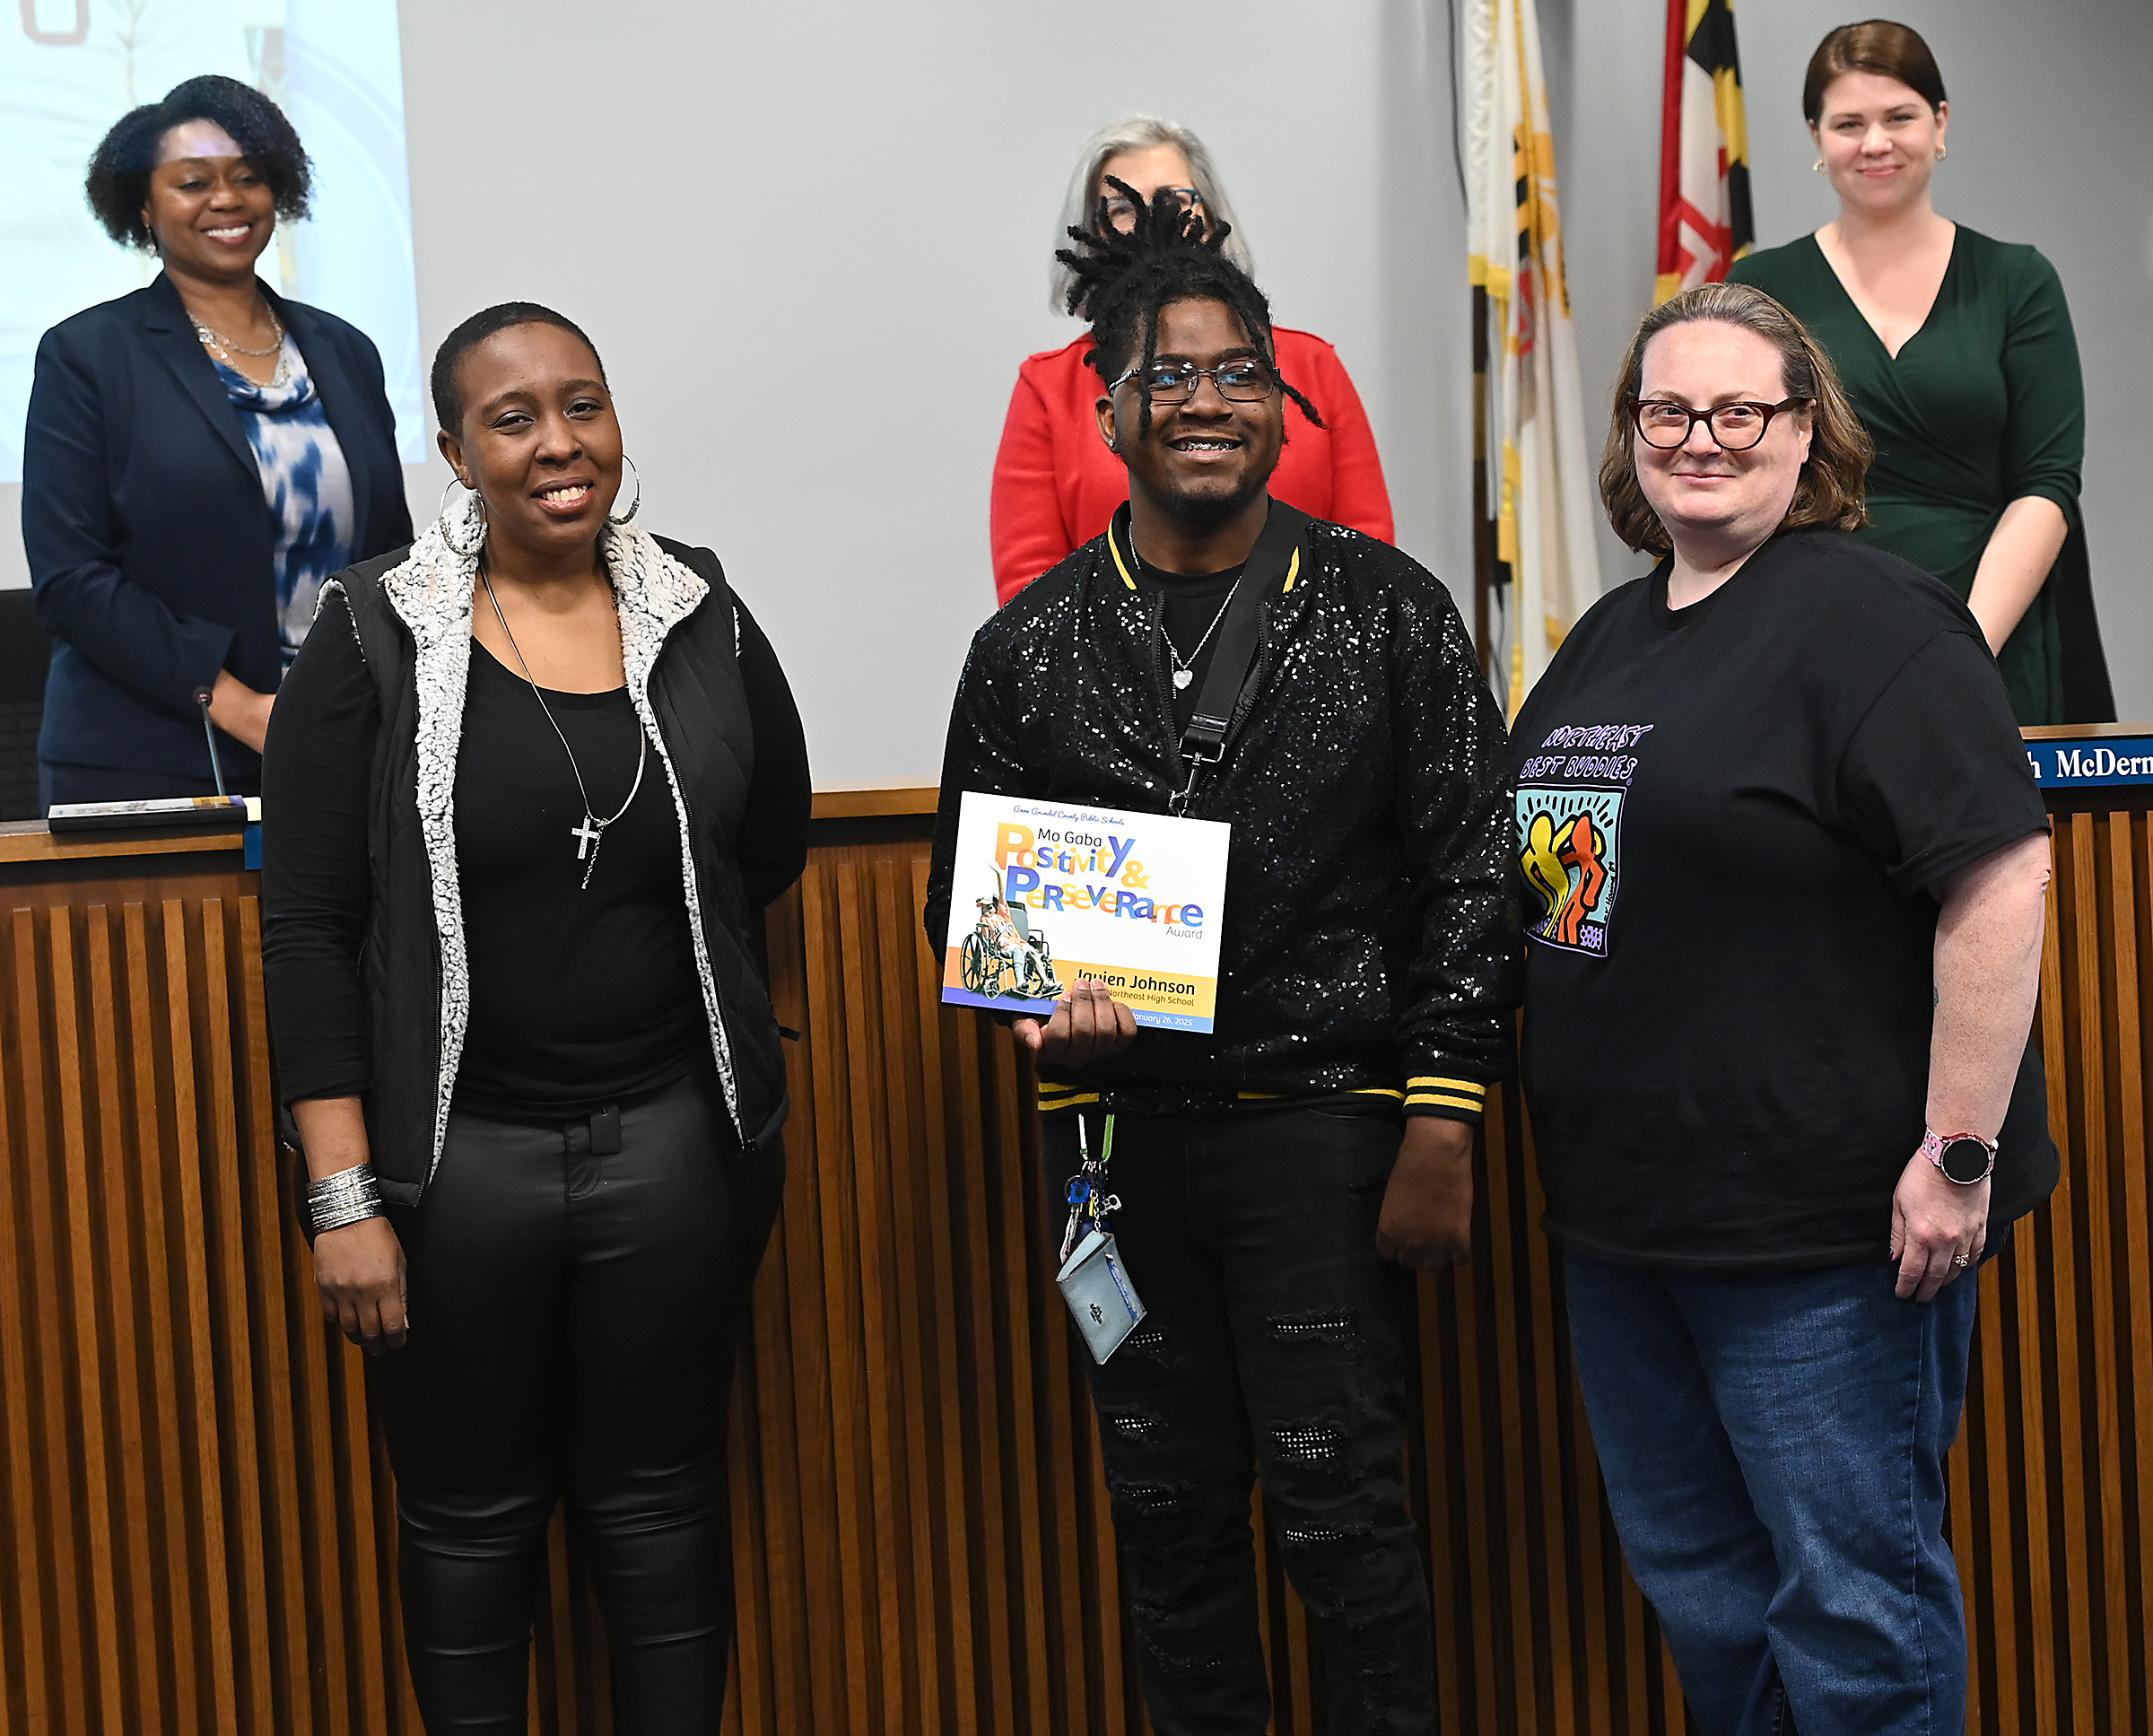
(1484, 526)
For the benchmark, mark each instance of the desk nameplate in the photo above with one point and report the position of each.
(2068, 762)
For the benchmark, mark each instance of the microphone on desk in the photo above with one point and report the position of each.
(216, 766)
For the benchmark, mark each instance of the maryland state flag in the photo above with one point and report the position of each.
(1550, 501)
(1704, 221)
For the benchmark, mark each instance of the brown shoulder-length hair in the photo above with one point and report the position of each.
(1875, 46)
(1830, 492)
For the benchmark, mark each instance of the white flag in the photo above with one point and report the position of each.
(1549, 492)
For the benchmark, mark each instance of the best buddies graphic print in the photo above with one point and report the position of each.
(1569, 832)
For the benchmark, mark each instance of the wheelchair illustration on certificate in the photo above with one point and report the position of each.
(1004, 956)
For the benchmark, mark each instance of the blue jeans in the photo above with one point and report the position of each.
(1773, 1450)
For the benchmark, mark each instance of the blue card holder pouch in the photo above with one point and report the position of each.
(1102, 1301)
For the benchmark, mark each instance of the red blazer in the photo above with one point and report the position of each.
(1056, 484)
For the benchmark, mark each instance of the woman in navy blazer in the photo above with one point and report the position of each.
(198, 456)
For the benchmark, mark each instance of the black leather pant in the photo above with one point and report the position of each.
(1273, 1345)
(574, 1313)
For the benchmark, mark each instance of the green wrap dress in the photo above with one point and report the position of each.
(1982, 407)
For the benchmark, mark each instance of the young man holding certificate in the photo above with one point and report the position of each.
(1217, 656)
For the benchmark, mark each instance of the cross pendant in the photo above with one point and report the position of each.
(586, 834)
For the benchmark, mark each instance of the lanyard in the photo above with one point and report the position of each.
(1204, 742)
(1089, 1201)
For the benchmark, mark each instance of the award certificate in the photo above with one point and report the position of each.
(1046, 893)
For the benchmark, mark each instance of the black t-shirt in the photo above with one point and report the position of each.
(569, 989)
(1726, 819)
(1191, 604)
(1194, 604)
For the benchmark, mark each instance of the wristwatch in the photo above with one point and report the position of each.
(1964, 1158)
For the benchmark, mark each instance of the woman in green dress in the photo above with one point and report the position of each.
(1958, 353)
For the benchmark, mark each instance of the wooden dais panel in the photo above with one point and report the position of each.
(197, 1530)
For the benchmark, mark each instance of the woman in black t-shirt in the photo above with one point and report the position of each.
(1782, 860)
(526, 785)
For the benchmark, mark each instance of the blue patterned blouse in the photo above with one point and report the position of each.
(304, 479)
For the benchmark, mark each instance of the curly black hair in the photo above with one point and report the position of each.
(448, 406)
(1120, 281)
(119, 183)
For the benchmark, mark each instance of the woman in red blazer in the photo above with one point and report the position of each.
(1055, 483)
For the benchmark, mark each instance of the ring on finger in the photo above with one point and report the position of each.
(1961, 1262)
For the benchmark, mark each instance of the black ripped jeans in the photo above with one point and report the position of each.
(1273, 1345)
(573, 1316)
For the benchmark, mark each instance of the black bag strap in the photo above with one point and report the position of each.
(1203, 741)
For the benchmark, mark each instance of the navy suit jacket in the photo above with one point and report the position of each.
(150, 545)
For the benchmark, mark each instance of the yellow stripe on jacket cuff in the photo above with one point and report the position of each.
(1437, 1082)
(1436, 1094)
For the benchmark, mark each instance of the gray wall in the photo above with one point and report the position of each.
(810, 241)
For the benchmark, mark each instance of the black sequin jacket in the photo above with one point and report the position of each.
(1370, 943)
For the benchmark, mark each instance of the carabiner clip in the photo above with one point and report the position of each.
(1177, 805)
(1088, 1201)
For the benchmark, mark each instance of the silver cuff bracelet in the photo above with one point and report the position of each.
(348, 1197)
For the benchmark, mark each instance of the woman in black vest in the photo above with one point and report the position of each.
(509, 889)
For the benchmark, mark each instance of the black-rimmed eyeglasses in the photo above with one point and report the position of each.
(1245, 380)
(1737, 427)
(1121, 209)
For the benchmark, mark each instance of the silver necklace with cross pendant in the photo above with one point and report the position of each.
(591, 833)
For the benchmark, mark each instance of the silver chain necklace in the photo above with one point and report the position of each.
(1183, 671)
(591, 833)
(211, 335)
(225, 351)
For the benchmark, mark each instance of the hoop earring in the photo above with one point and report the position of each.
(635, 505)
(1817, 168)
(468, 516)
(1939, 153)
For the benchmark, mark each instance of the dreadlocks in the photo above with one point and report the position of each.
(1120, 281)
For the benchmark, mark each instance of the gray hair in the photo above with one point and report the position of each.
(1080, 204)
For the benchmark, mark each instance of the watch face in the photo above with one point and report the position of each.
(1966, 1161)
